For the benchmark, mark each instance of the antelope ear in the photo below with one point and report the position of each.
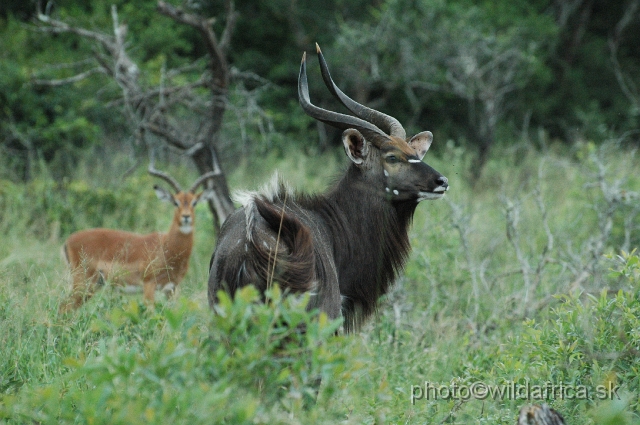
(205, 195)
(163, 194)
(421, 142)
(355, 145)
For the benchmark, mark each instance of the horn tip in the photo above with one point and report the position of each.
(304, 57)
(318, 49)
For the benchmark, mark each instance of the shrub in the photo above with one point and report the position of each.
(587, 341)
(249, 363)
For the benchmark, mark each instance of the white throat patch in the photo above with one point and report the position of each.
(423, 196)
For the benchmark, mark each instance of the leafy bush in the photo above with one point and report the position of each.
(249, 363)
(456, 316)
(587, 343)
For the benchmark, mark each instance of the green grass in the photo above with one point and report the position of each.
(517, 280)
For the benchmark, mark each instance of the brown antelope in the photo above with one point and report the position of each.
(344, 247)
(153, 261)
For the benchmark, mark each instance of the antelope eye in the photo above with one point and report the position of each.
(391, 159)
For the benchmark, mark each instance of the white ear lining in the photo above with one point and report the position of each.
(163, 194)
(354, 159)
(206, 195)
(347, 140)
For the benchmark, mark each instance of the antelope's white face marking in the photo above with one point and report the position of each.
(185, 202)
(423, 196)
(437, 193)
(406, 176)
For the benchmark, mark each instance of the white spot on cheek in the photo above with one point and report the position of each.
(395, 192)
(386, 173)
(387, 189)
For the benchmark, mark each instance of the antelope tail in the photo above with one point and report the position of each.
(289, 260)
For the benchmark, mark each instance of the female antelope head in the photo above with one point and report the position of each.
(184, 201)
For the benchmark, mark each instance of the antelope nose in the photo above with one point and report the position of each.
(442, 181)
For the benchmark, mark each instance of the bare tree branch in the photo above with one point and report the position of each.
(70, 80)
(625, 82)
(150, 110)
(216, 50)
(232, 17)
(168, 133)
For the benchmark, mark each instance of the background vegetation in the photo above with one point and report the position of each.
(526, 272)
(477, 73)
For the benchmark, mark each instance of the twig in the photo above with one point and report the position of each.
(460, 223)
(275, 255)
(453, 410)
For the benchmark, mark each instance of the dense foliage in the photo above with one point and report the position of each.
(486, 298)
(525, 276)
(475, 72)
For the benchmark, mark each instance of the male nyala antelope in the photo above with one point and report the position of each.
(153, 261)
(344, 247)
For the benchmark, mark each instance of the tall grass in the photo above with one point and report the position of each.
(509, 283)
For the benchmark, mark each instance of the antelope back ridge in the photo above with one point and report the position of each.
(155, 261)
(344, 247)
